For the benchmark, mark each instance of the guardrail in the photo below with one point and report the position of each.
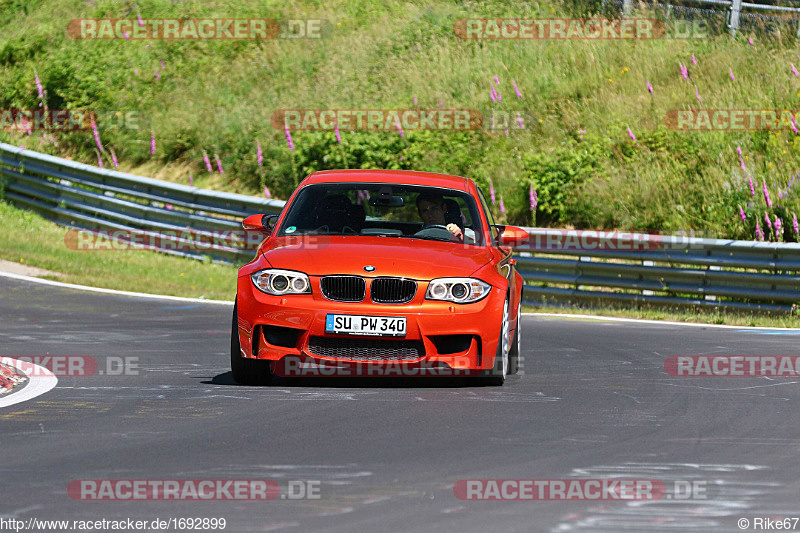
(83, 196)
(734, 10)
(675, 271)
(672, 271)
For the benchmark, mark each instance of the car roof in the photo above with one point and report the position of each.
(405, 177)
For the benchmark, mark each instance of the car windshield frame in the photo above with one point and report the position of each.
(378, 213)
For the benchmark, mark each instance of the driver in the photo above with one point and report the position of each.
(431, 210)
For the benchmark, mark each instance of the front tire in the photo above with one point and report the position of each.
(497, 375)
(246, 371)
(516, 344)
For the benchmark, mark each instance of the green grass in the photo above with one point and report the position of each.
(29, 239)
(219, 96)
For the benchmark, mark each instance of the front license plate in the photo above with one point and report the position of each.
(391, 326)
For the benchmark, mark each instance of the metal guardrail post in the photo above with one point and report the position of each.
(736, 9)
(627, 7)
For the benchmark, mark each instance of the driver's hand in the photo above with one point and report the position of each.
(456, 231)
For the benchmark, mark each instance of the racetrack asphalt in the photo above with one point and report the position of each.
(593, 402)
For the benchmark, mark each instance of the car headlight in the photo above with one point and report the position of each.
(458, 290)
(278, 282)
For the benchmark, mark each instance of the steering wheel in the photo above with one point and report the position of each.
(437, 226)
(434, 231)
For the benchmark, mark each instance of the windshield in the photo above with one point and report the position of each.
(381, 210)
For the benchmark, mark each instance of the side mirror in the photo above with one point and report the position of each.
(512, 235)
(262, 223)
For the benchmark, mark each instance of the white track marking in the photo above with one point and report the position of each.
(111, 291)
(40, 380)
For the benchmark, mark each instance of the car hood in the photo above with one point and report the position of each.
(411, 258)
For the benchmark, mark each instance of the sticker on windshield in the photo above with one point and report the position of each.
(291, 229)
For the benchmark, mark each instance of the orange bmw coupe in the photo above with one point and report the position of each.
(377, 273)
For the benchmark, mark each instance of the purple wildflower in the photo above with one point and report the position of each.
(767, 220)
(519, 94)
(741, 214)
(752, 187)
(649, 87)
(684, 71)
(794, 71)
(336, 131)
(162, 65)
(289, 138)
(739, 150)
(440, 103)
(778, 227)
(399, 128)
(766, 194)
(491, 95)
(139, 18)
(694, 61)
(496, 80)
(259, 155)
(759, 231)
(168, 206)
(794, 224)
(38, 84)
(207, 161)
(191, 180)
(741, 164)
(534, 198)
(492, 192)
(730, 71)
(506, 132)
(750, 40)
(152, 142)
(99, 161)
(114, 158)
(266, 192)
(125, 34)
(96, 133)
(502, 206)
(519, 121)
(793, 124)
(157, 75)
(415, 100)
(136, 71)
(696, 93)
(631, 134)
(219, 164)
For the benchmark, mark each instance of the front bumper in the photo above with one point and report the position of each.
(292, 327)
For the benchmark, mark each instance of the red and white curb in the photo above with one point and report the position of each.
(40, 381)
